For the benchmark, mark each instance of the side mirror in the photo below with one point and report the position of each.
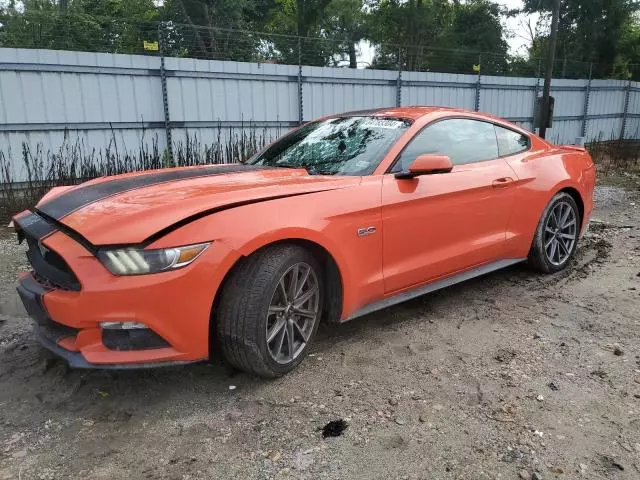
(427, 165)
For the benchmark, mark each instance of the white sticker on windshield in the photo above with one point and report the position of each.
(383, 123)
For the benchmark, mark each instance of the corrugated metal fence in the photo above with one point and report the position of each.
(109, 98)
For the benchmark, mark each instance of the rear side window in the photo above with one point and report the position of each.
(463, 140)
(510, 142)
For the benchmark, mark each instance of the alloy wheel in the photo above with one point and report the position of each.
(560, 233)
(293, 313)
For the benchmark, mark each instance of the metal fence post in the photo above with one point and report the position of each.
(300, 104)
(626, 110)
(478, 85)
(587, 95)
(399, 81)
(165, 98)
(536, 87)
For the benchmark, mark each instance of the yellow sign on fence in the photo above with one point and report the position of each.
(152, 46)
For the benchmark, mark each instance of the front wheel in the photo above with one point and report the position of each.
(269, 310)
(556, 238)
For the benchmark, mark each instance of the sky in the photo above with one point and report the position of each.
(516, 27)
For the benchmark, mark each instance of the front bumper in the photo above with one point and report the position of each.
(76, 360)
(174, 305)
(52, 335)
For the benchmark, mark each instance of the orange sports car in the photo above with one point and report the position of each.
(340, 217)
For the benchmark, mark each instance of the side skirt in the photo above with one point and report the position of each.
(432, 287)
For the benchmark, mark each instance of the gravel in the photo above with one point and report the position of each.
(444, 386)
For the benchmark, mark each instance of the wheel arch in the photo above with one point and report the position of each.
(333, 281)
(537, 256)
(577, 196)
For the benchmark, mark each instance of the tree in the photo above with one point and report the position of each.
(476, 27)
(124, 24)
(300, 18)
(118, 26)
(589, 31)
(415, 23)
(345, 21)
(215, 29)
(437, 35)
(627, 64)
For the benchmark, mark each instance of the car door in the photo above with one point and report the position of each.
(439, 224)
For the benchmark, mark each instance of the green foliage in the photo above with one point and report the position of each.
(591, 31)
(429, 35)
(628, 58)
(117, 26)
(476, 26)
(201, 28)
(442, 36)
(299, 18)
(346, 19)
(408, 23)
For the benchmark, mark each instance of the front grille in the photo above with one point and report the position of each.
(49, 268)
(47, 283)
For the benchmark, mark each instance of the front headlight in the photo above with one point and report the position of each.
(138, 261)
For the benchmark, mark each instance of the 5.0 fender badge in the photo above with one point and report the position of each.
(364, 231)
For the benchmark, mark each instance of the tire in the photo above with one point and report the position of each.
(542, 256)
(255, 289)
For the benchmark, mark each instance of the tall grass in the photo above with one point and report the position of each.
(615, 154)
(74, 161)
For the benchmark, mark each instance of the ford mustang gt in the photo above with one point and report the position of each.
(340, 217)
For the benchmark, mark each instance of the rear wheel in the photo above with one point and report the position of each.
(269, 310)
(556, 239)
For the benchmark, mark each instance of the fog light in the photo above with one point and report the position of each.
(130, 336)
(122, 325)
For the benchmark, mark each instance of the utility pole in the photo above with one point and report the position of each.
(544, 114)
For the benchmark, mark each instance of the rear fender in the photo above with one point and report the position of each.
(542, 177)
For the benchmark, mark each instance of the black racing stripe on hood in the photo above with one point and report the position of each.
(69, 202)
(70, 232)
(34, 226)
(39, 225)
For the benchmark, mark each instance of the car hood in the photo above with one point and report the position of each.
(132, 208)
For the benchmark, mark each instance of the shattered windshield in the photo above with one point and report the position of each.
(336, 146)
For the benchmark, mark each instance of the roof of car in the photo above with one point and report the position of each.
(412, 112)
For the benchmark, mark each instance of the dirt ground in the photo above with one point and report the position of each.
(512, 375)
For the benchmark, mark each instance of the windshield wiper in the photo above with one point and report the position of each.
(289, 165)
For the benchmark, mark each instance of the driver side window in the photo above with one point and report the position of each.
(463, 140)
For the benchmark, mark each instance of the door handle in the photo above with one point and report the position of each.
(502, 182)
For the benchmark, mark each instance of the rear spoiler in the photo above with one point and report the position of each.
(578, 145)
(574, 148)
